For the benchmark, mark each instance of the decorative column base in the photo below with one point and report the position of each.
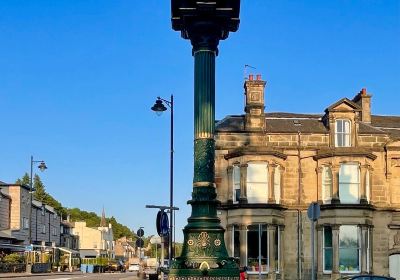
(204, 255)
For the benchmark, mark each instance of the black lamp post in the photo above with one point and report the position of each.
(159, 108)
(42, 167)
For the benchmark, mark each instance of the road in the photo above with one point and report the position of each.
(89, 276)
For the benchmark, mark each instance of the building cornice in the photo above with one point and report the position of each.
(341, 152)
(261, 151)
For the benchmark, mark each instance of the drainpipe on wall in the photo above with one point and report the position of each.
(299, 220)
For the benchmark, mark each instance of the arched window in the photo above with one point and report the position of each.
(326, 184)
(257, 182)
(236, 183)
(277, 185)
(342, 133)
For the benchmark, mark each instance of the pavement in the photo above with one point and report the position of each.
(70, 275)
(24, 274)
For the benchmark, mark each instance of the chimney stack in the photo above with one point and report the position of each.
(364, 100)
(254, 107)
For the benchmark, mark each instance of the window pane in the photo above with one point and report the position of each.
(257, 172)
(252, 246)
(254, 239)
(349, 183)
(257, 183)
(348, 237)
(327, 237)
(348, 260)
(236, 242)
(237, 194)
(328, 248)
(328, 259)
(236, 175)
(349, 248)
(277, 185)
(264, 248)
(326, 184)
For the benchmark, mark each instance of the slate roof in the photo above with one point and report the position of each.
(281, 122)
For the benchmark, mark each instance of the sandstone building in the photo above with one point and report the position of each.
(271, 166)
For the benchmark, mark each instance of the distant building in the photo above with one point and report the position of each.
(68, 240)
(45, 225)
(14, 219)
(15, 235)
(94, 242)
(125, 249)
(271, 166)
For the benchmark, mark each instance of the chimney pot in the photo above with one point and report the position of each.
(364, 91)
(250, 77)
(258, 77)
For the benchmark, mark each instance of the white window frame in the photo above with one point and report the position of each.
(324, 185)
(350, 184)
(261, 184)
(277, 184)
(259, 240)
(344, 134)
(235, 184)
(359, 251)
(43, 229)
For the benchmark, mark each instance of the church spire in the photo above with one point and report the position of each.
(103, 222)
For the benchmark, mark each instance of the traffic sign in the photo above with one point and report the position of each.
(162, 223)
(314, 211)
(139, 243)
(140, 232)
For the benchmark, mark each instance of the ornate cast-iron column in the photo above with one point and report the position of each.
(204, 253)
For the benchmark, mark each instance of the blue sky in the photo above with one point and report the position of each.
(78, 78)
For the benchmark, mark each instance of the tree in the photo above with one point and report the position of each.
(25, 180)
(39, 190)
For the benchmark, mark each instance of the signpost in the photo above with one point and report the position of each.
(313, 213)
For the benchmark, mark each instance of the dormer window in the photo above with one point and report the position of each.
(342, 133)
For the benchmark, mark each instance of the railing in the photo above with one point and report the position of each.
(12, 267)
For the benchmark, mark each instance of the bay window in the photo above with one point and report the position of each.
(349, 183)
(257, 182)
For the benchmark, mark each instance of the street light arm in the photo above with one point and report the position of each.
(168, 102)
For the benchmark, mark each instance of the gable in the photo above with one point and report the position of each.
(343, 105)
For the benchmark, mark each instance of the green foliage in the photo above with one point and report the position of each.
(97, 261)
(13, 258)
(25, 180)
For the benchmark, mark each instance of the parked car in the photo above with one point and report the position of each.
(114, 266)
(366, 277)
(133, 267)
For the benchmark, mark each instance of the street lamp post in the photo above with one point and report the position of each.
(159, 108)
(42, 166)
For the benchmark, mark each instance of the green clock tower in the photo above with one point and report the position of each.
(204, 255)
